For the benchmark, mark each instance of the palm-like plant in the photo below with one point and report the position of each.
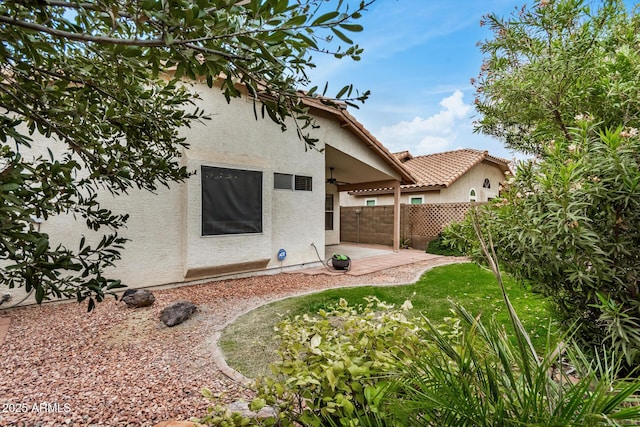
(479, 377)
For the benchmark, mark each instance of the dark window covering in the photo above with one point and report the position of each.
(231, 201)
(303, 183)
(283, 181)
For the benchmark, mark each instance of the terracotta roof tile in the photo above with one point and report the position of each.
(403, 156)
(440, 170)
(443, 169)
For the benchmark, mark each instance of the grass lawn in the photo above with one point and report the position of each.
(249, 345)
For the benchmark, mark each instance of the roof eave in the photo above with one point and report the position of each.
(358, 129)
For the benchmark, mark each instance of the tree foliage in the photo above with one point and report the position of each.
(570, 227)
(548, 63)
(561, 81)
(104, 81)
(573, 231)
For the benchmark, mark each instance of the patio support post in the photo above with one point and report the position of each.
(396, 216)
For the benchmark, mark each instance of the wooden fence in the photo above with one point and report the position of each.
(419, 224)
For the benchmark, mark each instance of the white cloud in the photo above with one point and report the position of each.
(432, 134)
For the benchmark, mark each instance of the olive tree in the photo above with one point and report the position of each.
(105, 81)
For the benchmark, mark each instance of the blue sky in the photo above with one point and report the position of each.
(418, 61)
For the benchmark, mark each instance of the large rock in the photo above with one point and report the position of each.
(242, 408)
(138, 298)
(177, 313)
(174, 423)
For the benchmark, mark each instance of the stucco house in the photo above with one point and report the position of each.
(257, 195)
(464, 175)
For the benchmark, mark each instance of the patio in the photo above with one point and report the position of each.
(368, 259)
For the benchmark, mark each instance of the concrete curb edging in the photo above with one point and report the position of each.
(236, 376)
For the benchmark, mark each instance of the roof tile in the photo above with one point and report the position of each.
(443, 169)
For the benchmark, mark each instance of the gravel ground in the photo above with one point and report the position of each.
(115, 366)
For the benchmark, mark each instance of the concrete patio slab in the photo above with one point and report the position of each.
(369, 259)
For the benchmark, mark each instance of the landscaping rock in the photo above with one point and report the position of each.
(136, 298)
(177, 313)
(242, 407)
(174, 423)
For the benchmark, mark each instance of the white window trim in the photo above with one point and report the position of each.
(416, 197)
(374, 199)
(473, 198)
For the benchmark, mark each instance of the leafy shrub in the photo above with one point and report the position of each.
(442, 246)
(570, 225)
(219, 416)
(335, 366)
(370, 366)
(460, 235)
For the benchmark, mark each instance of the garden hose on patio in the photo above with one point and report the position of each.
(326, 263)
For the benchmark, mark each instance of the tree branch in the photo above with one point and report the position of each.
(74, 146)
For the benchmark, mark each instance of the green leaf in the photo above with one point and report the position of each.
(12, 186)
(341, 36)
(40, 294)
(355, 28)
(325, 18)
(343, 91)
(41, 247)
(296, 21)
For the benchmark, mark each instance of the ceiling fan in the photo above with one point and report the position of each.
(332, 180)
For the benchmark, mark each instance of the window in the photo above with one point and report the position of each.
(303, 183)
(328, 212)
(486, 183)
(231, 201)
(370, 202)
(472, 195)
(416, 200)
(283, 181)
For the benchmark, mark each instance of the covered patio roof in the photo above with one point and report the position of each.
(363, 166)
(350, 169)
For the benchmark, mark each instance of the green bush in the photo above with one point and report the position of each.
(460, 235)
(570, 225)
(441, 246)
(335, 366)
(371, 366)
(476, 375)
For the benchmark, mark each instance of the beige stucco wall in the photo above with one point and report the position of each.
(387, 199)
(292, 220)
(457, 192)
(165, 228)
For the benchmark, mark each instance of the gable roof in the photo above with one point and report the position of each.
(440, 170)
(347, 120)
